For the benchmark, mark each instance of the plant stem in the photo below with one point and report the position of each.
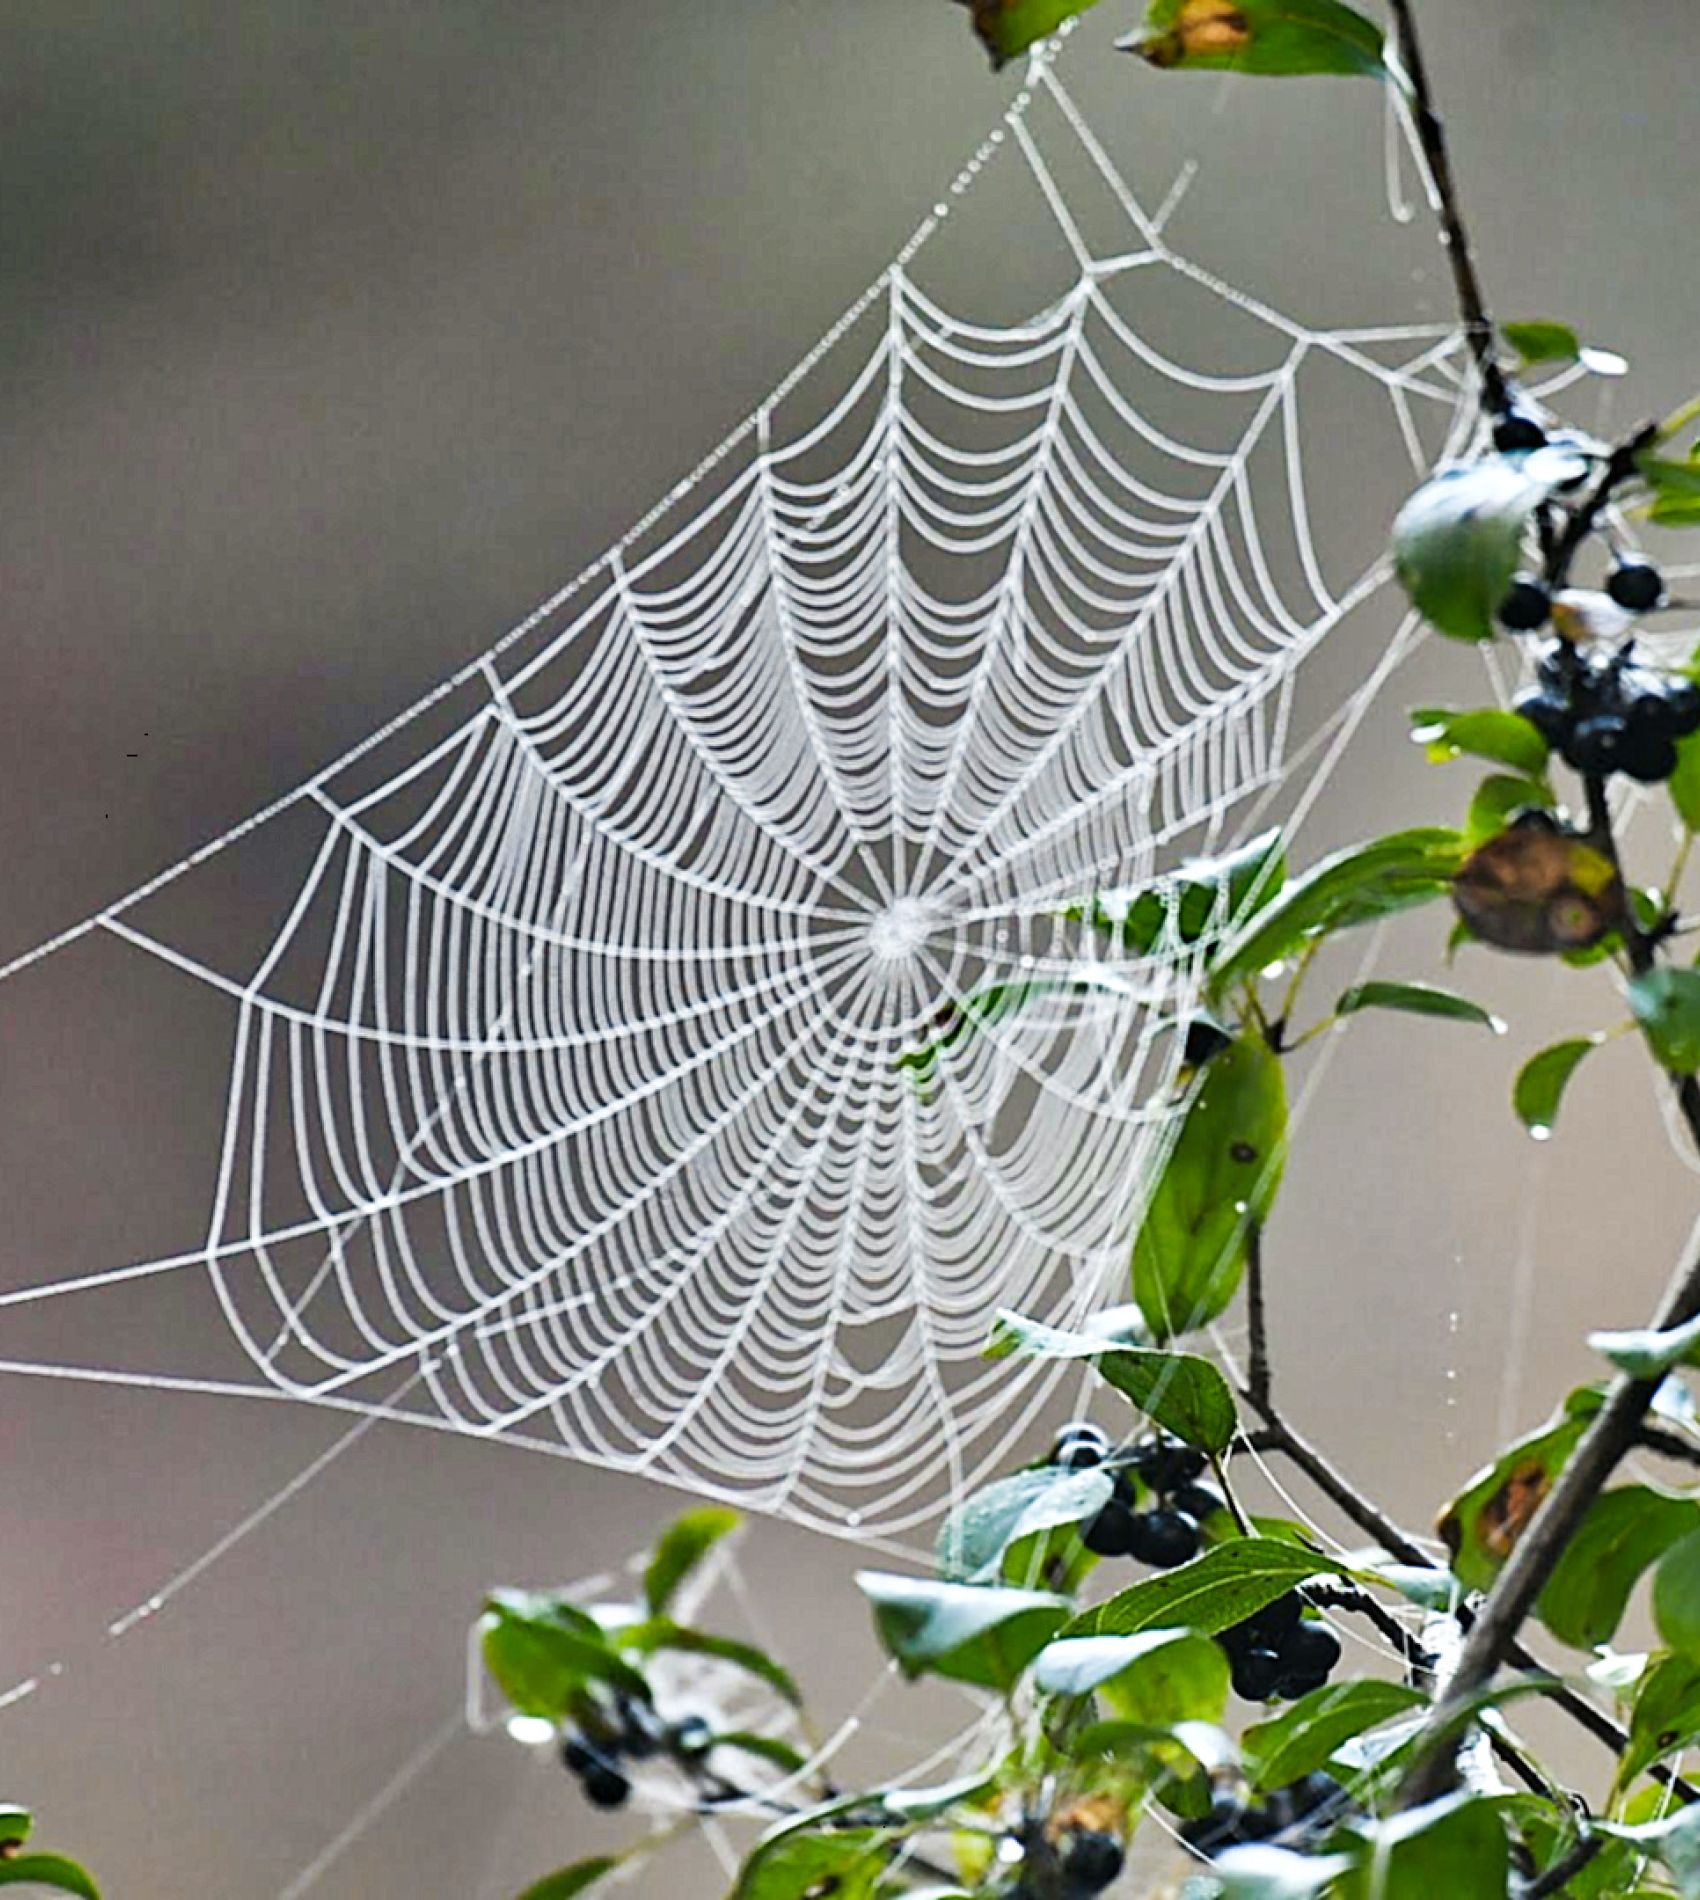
(1559, 1875)
(1431, 136)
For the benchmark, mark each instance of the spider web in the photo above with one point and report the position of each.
(566, 1103)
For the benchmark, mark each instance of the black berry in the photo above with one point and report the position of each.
(1647, 756)
(1525, 606)
(1516, 431)
(1218, 1829)
(1204, 1039)
(1256, 1672)
(605, 1787)
(1196, 1500)
(1635, 584)
(1595, 743)
(578, 1757)
(1113, 1532)
(1276, 1621)
(1168, 1465)
(692, 1736)
(1165, 1539)
(1548, 712)
(1093, 1861)
(1080, 1446)
(1310, 1650)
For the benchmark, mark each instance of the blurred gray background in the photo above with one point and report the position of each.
(335, 335)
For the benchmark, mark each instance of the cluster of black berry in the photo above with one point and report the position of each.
(1090, 1861)
(1602, 713)
(1306, 1806)
(634, 1733)
(1277, 1653)
(1164, 1536)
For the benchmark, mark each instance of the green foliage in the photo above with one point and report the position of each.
(1007, 28)
(1648, 1355)
(1484, 1521)
(1267, 1872)
(546, 1655)
(1664, 1718)
(656, 1634)
(1624, 1531)
(1306, 1733)
(1666, 1003)
(1674, 1839)
(1360, 885)
(796, 1861)
(1455, 1846)
(1502, 738)
(1115, 1326)
(1205, 895)
(1416, 999)
(1186, 1395)
(994, 1003)
(1220, 1179)
(1154, 1678)
(1674, 488)
(1223, 1587)
(1498, 800)
(1542, 1080)
(1542, 341)
(979, 1531)
(968, 1633)
(48, 1870)
(1683, 785)
(1676, 1596)
(1458, 540)
(682, 1547)
(1274, 38)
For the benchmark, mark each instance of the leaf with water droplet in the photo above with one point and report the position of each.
(1008, 27)
(1666, 1003)
(1541, 341)
(1272, 38)
(1417, 999)
(1542, 1080)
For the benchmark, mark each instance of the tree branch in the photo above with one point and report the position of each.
(1431, 136)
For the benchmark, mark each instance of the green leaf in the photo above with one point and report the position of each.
(1676, 1596)
(1115, 1326)
(1419, 999)
(973, 1538)
(1484, 1521)
(1664, 1719)
(49, 1870)
(1184, 1394)
(1542, 1080)
(662, 1633)
(1430, 1588)
(967, 1632)
(1265, 1872)
(1675, 488)
(1675, 1840)
(683, 1546)
(995, 1003)
(1666, 1003)
(1273, 38)
(566, 1881)
(1220, 1178)
(544, 1654)
(1455, 1846)
(1457, 543)
(1360, 885)
(795, 1861)
(16, 1824)
(1540, 341)
(1624, 1531)
(1008, 27)
(1485, 732)
(1181, 1681)
(1498, 799)
(1078, 1665)
(1305, 1734)
(927, 1804)
(768, 1748)
(1205, 895)
(1648, 1355)
(1213, 1592)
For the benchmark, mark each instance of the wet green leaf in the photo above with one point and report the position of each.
(1541, 341)
(967, 1632)
(1262, 1871)
(1156, 1678)
(1008, 27)
(1224, 1586)
(1220, 1177)
(1664, 1718)
(1458, 541)
(1498, 800)
(1485, 732)
(1675, 490)
(1676, 1596)
(661, 1633)
(49, 1870)
(544, 1654)
(1205, 895)
(797, 1861)
(1307, 1732)
(768, 1748)
(567, 1881)
(1360, 885)
(683, 1546)
(1482, 1524)
(1542, 1080)
(1625, 1530)
(16, 1824)
(1645, 1355)
(1683, 785)
(1274, 38)
(1184, 1394)
(974, 1537)
(1418, 999)
(1666, 1003)
(1455, 1846)
(1675, 1840)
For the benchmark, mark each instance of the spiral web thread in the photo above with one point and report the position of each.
(565, 1105)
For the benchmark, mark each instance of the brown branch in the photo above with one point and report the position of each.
(1431, 136)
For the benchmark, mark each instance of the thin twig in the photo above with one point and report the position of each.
(1431, 136)
(1257, 1322)
(1562, 1872)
